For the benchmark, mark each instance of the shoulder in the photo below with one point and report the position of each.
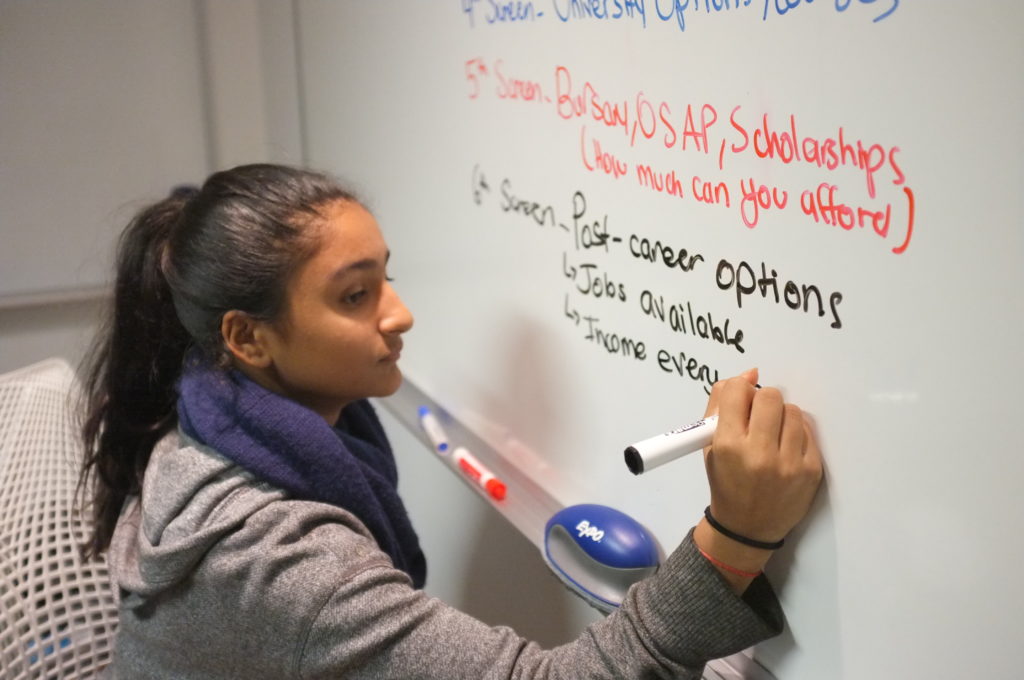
(267, 521)
(210, 546)
(196, 501)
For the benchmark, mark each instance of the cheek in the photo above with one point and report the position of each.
(325, 348)
(337, 350)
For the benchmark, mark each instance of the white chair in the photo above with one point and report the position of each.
(58, 614)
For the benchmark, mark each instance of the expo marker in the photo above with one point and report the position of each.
(432, 426)
(478, 473)
(651, 453)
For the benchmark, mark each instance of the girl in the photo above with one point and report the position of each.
(244, 489)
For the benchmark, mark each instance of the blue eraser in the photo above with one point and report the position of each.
(599, 552)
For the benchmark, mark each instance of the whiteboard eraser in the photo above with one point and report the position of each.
(599, 552)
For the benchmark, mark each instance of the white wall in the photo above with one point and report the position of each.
(102, 107)
(251, 85)
(93, 123)
(240, 102)
(33, 333)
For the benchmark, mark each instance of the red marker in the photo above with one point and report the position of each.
(475, 470)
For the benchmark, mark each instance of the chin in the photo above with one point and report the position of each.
(392, 385)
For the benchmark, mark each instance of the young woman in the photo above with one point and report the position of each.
(244, 489)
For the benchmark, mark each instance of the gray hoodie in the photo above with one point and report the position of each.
(223, 576)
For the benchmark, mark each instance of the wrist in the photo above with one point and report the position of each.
(741, 538)
(738, 564)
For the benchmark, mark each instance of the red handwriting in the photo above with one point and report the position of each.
(516, 88)
(823, 206)
(662, 182)
(648, 120)
(789, 146)
(708, 116)
(708, 192)
(588, 103)
(757, 198)
(697, 128)
(598, 159)
(476, 70)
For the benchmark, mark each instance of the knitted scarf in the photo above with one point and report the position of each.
(349, 465)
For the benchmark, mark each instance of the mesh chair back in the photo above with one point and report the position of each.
(58, 613)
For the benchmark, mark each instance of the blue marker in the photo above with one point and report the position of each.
(599, 552)
(435, 433)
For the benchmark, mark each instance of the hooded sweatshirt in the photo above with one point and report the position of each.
(222, 575)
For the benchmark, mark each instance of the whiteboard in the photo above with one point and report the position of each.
(597, 208)
(100, 101)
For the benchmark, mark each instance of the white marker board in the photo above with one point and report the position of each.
(477, 144)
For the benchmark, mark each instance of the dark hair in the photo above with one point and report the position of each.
(182, 263)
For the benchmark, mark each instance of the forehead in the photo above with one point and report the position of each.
(348, 232)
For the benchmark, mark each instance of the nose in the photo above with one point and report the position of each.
(396, 317)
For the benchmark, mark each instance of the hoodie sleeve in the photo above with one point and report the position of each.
(373, 625)
(222, 577)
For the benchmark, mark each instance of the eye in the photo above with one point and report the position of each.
(356, 297)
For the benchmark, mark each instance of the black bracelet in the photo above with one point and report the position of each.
(737, 537)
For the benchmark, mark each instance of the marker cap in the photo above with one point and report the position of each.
(435, 433)
(496, 488)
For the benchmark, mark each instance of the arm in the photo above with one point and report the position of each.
(763, 468)
(374, 625)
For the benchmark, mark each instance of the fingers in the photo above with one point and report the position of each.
(793, 437)
(764, 465)
(739, 391)
(813, 461)
(767, 412)
(712, 407)
(750, 375)
(734, 401)
(799, 447)
(758, 413)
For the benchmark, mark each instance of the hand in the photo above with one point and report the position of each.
(764, 468)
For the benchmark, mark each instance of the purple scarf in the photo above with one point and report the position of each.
(349, 465)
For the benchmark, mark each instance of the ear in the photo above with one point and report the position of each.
(246, 339)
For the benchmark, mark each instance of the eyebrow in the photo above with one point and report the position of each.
(359, 265)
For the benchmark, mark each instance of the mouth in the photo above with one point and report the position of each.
(395, 354)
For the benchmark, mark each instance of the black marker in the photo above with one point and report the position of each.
(650, 453)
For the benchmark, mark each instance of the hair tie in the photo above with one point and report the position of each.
(739, 538)
(185, 192)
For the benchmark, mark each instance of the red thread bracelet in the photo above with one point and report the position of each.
(729, 568)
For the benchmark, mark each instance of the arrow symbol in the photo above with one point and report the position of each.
(570, 272)
(571, 313)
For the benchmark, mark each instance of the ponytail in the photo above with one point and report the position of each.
(181, 265)
(131, 374)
